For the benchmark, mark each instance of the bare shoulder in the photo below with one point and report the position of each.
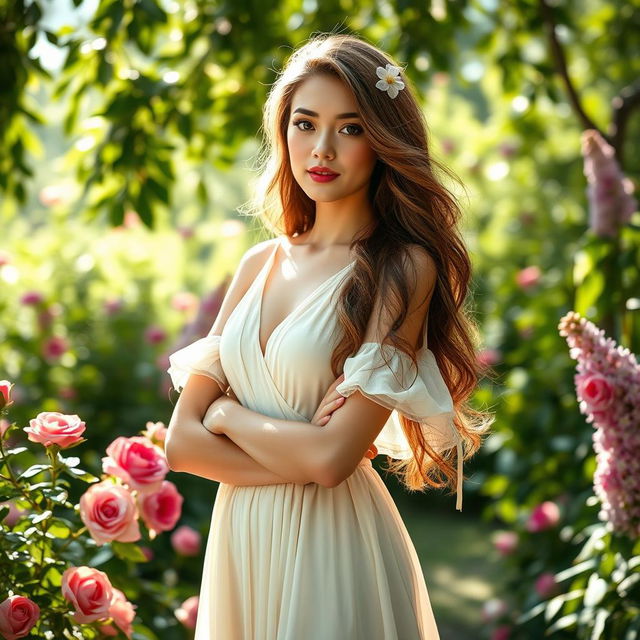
(421, 271)
(255, 257)
(246, 272)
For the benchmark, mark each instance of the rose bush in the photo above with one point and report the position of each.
(49, 584)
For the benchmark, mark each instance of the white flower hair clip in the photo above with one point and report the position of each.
(389, 80)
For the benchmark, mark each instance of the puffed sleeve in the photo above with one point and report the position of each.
(201, 357)
(388, 376)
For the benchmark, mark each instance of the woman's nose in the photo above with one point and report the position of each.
(323, 147)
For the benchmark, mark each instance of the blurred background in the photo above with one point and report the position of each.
(128, 138)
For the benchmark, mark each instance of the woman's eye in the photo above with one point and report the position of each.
(297, 122)
(358, 129)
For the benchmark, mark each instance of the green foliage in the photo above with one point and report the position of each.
(157, 93)
(194, 76)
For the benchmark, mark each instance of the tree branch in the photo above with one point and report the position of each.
(561, 67)
(623, 104)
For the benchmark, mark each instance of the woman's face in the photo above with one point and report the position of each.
(327, 138)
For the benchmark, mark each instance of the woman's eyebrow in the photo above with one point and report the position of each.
(340, 116)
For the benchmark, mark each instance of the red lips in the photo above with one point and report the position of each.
(317, 169)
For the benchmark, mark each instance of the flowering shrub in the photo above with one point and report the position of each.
(49, 584)
(598, 594)
(608, 390)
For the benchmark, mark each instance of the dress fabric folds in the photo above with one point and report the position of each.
(292, 561)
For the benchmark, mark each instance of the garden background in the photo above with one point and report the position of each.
(128, 138)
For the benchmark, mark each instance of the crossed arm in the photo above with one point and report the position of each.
(248, 448)
(303, 451)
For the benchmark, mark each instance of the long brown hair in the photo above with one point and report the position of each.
(410, 206)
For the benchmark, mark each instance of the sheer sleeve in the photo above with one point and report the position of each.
(388, 376)
(201, 357)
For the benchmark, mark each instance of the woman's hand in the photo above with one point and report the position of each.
(216, 418)
(333, 400)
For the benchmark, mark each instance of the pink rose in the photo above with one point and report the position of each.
(5, 393)
(156, 432)
(162, 509)
(54, 347)
(113, 305)
(184, 301)
(137, 461)
(595, 390)
(154, 334)
(546, 585)
(89, 591)
(31, 298)
(544, 516)
(528, 277)
(505, 542)
(52, 427)
(186, 541)
(187, 613)
(109, 513)
(488, 357)
(122, 612)
(17, 616)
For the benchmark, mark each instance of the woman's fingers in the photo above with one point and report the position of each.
(330, 407)
(325, 411)
(331, 401)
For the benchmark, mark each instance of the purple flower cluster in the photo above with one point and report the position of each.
(610, 192)
(608, 391)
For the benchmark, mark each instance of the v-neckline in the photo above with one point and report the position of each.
(264, 277)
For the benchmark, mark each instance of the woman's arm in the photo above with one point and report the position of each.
(303, 451)
(189, 447)
(215, 457)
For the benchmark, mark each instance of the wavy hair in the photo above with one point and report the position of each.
(411, 206)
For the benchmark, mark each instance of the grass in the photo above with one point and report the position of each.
(460, 566)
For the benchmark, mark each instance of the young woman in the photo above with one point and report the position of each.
(318, 361)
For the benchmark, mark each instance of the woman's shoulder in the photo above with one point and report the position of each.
(256, 256)
(420, 267)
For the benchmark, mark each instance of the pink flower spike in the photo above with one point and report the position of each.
(608, 393)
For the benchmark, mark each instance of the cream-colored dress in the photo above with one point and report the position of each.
(307, 562)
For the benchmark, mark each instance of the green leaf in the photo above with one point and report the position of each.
(71, 461)
(563, 623)
(56, 494)
(4, 510)
(59, 529)
(582, 567)
(599, 623)
(41, 516)
(153, 10)
(83, 475)
(128, 551)
(15, 451)
(158, 189)
(104, 555)
(33, 470)
(596, 589)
